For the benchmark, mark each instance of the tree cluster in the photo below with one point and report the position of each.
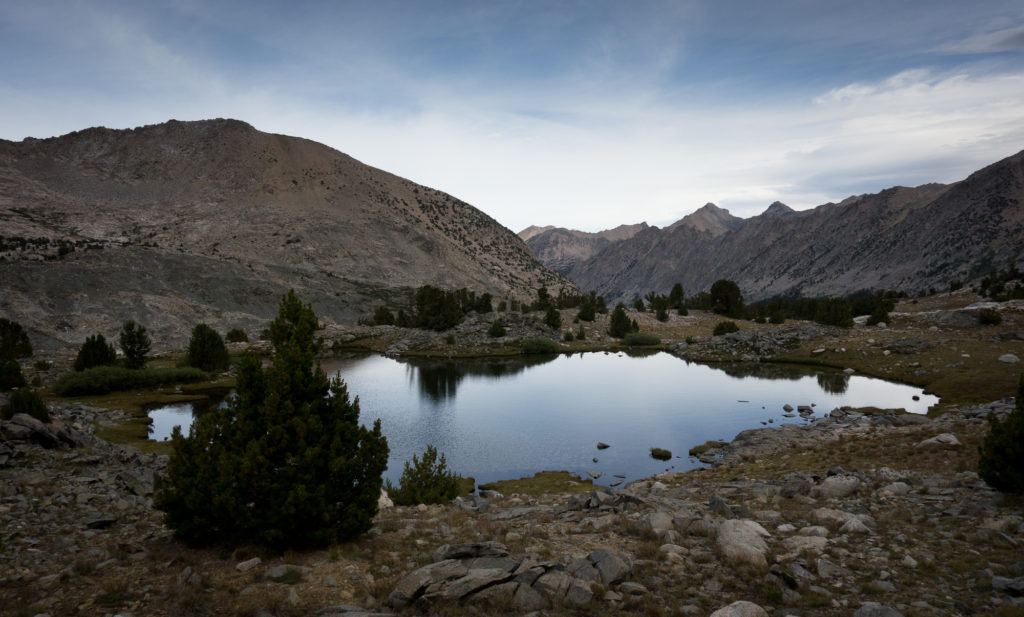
(1002, 452)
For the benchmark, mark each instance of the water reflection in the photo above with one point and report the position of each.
(438, 380)
(507, 418)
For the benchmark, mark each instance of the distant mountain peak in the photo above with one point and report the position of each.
(778, 209)
(708, 219)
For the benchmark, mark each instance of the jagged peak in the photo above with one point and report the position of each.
(778, 209)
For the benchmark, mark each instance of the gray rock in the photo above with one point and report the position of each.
(837, 487)
(943, 439)
(249, 564)
(413, 585)
(1013, 586)
(633, 589)
(1009, 358)
(470, 551)
(854, 525)
(285, 570)
(741, 608)
(742, 542)
(613, 566)
(659, 522)
(528, 599)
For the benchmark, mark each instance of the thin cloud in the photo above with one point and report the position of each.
(1004, 40)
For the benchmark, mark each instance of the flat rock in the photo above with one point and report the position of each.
(871, 609)
(837, 487)
(942, 439)
(1009, 358)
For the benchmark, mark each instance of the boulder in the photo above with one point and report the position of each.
(740, 608)
(837, 487)
(871, 609)
(742, 541)
(943, 439)
(1009, 358)
(413, 586)
(613, 566)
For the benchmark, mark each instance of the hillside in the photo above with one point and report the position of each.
(901, 238)
(182, 222)
(560, 249)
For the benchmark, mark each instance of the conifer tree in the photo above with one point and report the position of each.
(1002, 452)
(286, 463)
(135, 344)
(206, 349)
(95, 351)
(620, 325)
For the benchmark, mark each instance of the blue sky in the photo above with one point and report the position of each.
(583, 114)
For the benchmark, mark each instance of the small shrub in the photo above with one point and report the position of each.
(382, 316)
(683, 311)
(14, 341)
(620, 325)
(10, 375)
(552, 318)
(25, 401)
(990, 317)
(107, 379)
(206, 349)
(725, 327)
(580, 334)
(661, 454)
(538, 345)
(879, 315)
(449, 340)
(237, 335)
(497, 329)
(568, 337)
(43, 365)
(427, 480)
(639, 339)
(1002, 451)
(95, 351)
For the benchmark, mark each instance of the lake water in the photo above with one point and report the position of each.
(504, 419)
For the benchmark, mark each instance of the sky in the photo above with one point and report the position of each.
(580, 114)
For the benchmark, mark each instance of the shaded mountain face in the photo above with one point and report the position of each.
(902, 238)
(212, 221)
(560, 249)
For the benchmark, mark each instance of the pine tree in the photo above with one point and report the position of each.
(552, 317)
(620, 325)
(206, 349)
(286, 463)
(1002, 452)
(135, 344)
(95, 351)
(14, 341)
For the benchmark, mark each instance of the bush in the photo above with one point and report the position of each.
(879, 315)
(206, 349)
(1001, 464)
(382, 317)
(10, 375)
(497, 329)
(14, 341)
(639, 339)
(135, 344)
(25, 401)
(620, 325)
(107, 379)
(538, 345)
(95, 351)
(587, 312)
(237, 335)
(990, 317)
(725, 327)
(427, 480)
(552, 318)
(580, 334)
(726, 298)
(661, 454)
(286, 463)
(568, 337)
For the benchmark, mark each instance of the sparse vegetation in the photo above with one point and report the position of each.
(552, 318)
(990, 317)
(427, 480)
(27, 401)
(237, 335)
(620, 325)
(497, 329)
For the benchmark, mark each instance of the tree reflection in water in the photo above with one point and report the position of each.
(439, 380)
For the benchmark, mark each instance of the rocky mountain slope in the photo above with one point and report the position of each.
(559, 248)
(182, 222)
(901, 238)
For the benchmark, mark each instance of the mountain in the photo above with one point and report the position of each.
(212, 221)
(902, 238)
(559, 248)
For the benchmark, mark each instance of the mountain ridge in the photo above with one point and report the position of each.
(908, 238)
(229, 218)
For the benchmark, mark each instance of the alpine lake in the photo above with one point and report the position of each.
(501, 419)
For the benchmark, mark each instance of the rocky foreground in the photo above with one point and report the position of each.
(790, 521)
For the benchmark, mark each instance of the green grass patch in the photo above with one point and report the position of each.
(661, 454)
(538, 346)
(541, 483)
(707, 445)
(640, 339)
(107, 379)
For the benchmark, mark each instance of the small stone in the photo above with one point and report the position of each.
(741, 608)
(632, 589)
(1009, 358)
(602, 445)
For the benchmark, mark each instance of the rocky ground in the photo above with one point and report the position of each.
(803, 521)
(825, 518)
